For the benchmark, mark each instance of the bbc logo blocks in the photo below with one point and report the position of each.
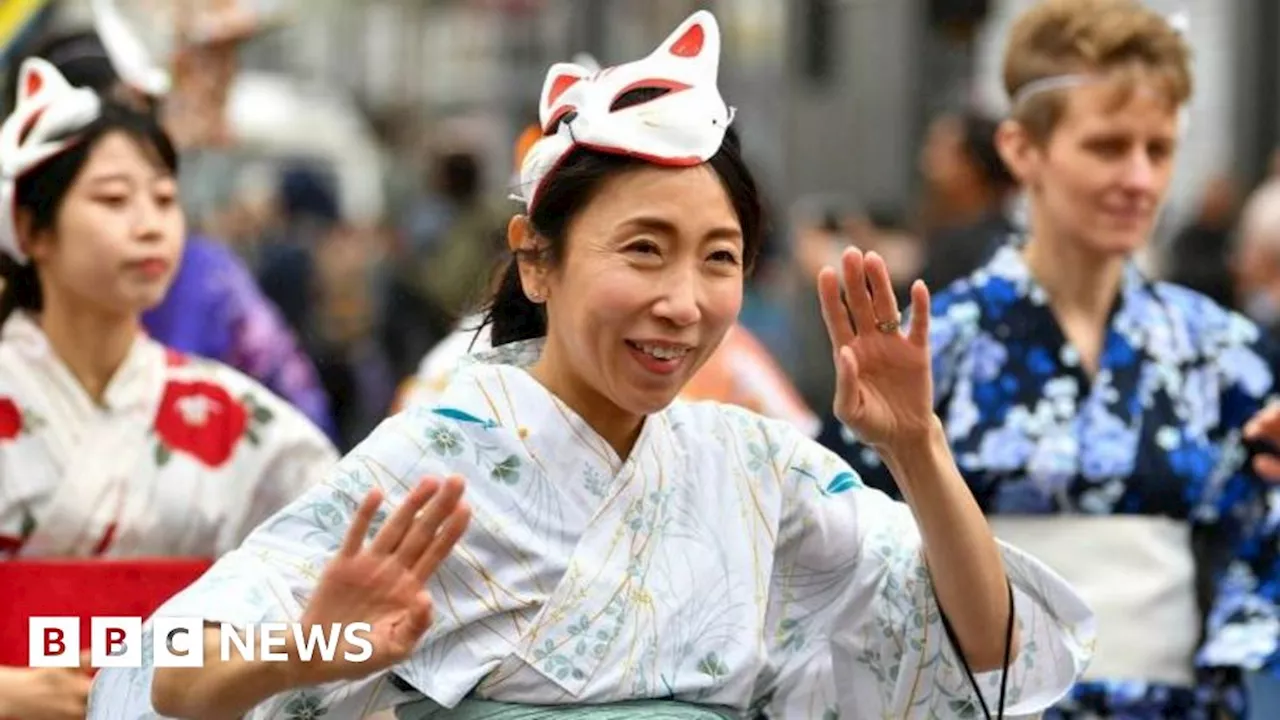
(114, 642)
(180, 642)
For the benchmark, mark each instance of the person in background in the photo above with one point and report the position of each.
(1199, 255)
(821, 228)
(309, 212)
(214, 307)
(113, 445)
(1106, 421)
(448, 241)
(455, 233)
(317, 269)
(1255, 259)
(969, 195)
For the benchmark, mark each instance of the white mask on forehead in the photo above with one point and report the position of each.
(48, 115)
(685, 126)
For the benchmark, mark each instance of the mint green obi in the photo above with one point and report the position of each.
(485, 710)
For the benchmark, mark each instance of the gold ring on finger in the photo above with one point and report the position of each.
(888, 326)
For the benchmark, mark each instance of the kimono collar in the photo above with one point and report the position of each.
(522, 354)
(1140, 312)
(132, 386)
(1009, 264)
(496, 384)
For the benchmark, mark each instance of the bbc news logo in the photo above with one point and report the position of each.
(117, 642)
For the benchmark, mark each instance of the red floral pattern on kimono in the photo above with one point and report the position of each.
(180, 456)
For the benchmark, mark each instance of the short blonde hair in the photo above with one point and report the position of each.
(1066, 37)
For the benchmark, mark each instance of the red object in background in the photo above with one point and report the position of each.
(84, 588)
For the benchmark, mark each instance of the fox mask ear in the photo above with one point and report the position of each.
(127, 53)
(681, 123)
(46, 116)
(560, 78)
(39, 79)
(697, 37)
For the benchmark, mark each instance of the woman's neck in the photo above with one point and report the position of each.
(93, 345)
(618, 428)
(1081, 286)
(1079, 283)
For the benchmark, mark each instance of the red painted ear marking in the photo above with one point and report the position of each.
(690, 43)
(561, 83)
(33, 84)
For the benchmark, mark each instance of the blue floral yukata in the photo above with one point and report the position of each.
(1155, 432)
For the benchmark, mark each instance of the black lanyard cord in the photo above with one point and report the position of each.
(1008, 650)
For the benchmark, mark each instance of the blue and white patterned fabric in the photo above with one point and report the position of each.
(1154, 432)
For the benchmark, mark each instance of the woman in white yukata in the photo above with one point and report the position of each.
(111, 445)
(618, 553)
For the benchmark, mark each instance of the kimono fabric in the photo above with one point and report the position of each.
(729, 564)
(1142, 464)
(181, 459)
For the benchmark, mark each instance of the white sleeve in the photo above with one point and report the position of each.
(858, 629)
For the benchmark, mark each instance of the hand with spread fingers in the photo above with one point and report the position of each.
(884, 380)
(383, 583)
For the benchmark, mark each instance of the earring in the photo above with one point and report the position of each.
(535, 296)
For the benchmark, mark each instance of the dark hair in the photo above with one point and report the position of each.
(308, 194)
(980, 145)
(458, 176)
(41, 191)
(567, 190)
(888, 217)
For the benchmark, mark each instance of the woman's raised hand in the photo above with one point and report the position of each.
(383, 582)
(884, 378)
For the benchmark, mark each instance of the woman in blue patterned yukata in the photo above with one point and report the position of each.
(1101, 419)
(621, 553)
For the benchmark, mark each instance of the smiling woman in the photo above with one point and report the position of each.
(640, 269)
(619, 545)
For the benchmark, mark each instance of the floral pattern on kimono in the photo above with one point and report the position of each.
(1156, 432)
(728, 562)
(183, 457)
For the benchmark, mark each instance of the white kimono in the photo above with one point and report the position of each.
(729, 562)
(183, 458)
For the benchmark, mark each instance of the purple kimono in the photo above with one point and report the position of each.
(216, 310)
